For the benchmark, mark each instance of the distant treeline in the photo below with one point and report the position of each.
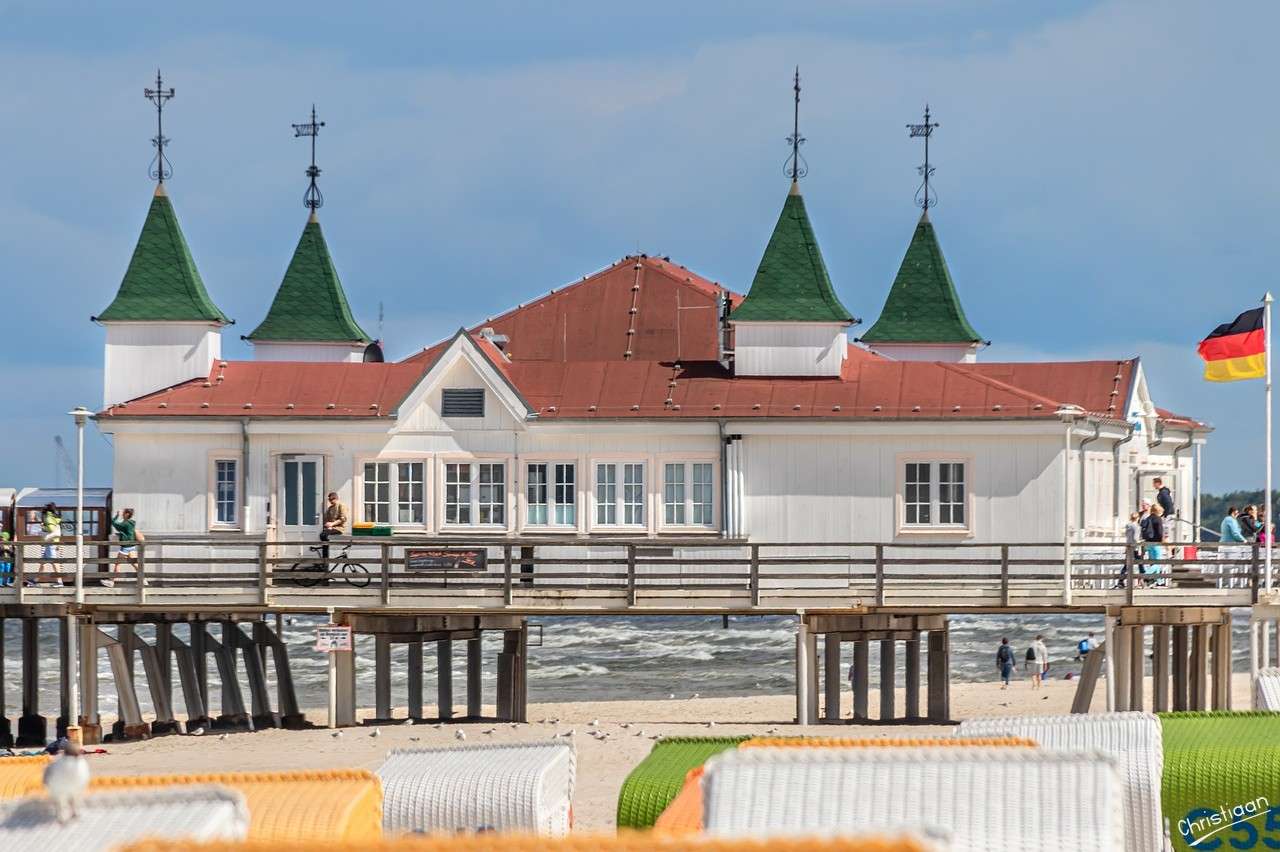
(1213, 507)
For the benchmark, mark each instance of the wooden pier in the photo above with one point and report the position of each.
(892, 598)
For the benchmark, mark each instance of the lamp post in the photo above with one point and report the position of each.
(81, 415)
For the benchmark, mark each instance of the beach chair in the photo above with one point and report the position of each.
(106, 821)
(1133, 737)
(341, 804)
(520, 787)
(630, 841)
(1007, 799)
(658, 779)
(1216, 760)
(1268, 690)
(21, 776)
(684, 814)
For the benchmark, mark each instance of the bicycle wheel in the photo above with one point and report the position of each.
(355, 574)
(310, 571)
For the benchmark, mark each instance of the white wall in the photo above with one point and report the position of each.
(951, 353)
(326, 352)
(789, 348)
(141, 358)
(425, 417)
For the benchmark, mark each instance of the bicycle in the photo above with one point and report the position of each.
(355, 574)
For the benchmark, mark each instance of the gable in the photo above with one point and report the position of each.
(464, 365)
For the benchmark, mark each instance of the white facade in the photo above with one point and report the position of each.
(789, 348)
(264, 350)
(142, 357)
(951, 353)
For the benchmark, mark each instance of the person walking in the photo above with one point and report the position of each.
(127, 532)
(1248, 521)
(1042, 656)
(1152, 529)
(1005, 662)
(1134, 553)
(51, 534)
(1164, 498)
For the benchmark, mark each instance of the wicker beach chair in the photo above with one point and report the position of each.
(657, 779)
(108, 820)
(1218, 760)
(341, 804)
(1010, 799)
(521, 787)
(684, 814)
(1268, 697)
(21, 776)
(633, 841)
(1133, 737)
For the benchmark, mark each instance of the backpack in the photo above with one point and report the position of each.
(1031, 655)
(1005, 654)
(1083, 647)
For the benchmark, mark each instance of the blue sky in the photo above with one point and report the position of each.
(1104, 169)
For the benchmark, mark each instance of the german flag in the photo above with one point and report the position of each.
(1236, 350)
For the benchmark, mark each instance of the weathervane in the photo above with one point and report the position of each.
(925, 197)
(795, 167)
(312, 199)
(160, 167)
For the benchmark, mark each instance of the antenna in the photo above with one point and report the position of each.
(312, 198)
(795, 166)
(160, 167)
(925, 197)
(379, 320)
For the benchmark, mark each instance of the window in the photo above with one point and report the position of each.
(934, 494)
(552, 494)
(462, 402)
(225, 485)
(393, 492)
(687, 493)
(475, 492)
(625, 506)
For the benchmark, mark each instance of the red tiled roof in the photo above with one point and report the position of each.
(566, 355)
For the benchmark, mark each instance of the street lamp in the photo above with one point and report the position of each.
(81, 415)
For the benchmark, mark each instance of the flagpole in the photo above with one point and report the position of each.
(1266, 326)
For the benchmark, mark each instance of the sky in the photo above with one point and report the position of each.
(1104, 169)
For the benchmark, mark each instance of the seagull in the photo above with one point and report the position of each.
(460, 734)
(515, 725)
(594, 723)
(438, 725)
(198, 732)
(672, 695)
(488, 731)
(415, 739)
(711, 724)
(65, 779)
(625, 725)
(376, 732)
(336, 734)
(222, 737)
(772, 731)
(695, 695)
(408, 721)
(639, 733)
(553, 721)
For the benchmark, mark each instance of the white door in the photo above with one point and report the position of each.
(301, 501)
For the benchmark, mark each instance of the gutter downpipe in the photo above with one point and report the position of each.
(1068, 416)
(1195, 523)
(1115, 468)
(1084, 472)
(244, 473)
(724, 479)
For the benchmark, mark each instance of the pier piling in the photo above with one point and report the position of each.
(33, 728)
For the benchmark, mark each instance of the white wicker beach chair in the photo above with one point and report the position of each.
(525, 787)
(109, 820)
(1133, 738)
(1268, 697)
(1009, 799)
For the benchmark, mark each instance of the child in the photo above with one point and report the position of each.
(6, 561)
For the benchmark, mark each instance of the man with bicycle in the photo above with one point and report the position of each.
(335, 521)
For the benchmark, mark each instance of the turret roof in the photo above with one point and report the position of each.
(162, 282)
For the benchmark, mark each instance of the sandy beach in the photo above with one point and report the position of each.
(602, 765)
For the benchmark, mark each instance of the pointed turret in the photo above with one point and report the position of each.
(922, 317)
(310, 319)
(162, 327)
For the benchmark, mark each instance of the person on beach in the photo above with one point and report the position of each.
(51, 528)
(1005, 662)
(6, 560)
(127, 532)
(335, 520)
(1164, 498)
(1248, 521)
(1084, 647)
(1042, 657)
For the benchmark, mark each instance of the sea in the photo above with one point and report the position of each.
(594, 658)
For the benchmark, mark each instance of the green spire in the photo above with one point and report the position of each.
(162, 282)
(792, 282)
(922, 306)
(310, 304)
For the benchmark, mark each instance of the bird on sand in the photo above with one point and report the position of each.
(65, 779)
(460, 734)
(489, 731)
(376, 732)
(198, 732)
(336, 734)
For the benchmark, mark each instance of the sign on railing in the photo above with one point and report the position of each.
(446, 559)
(333, 637)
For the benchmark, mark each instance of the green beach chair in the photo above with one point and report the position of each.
(1222, 780)
(658, 778)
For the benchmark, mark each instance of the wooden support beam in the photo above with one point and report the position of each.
(913, 678)
(802, 671)
(90, 722)
(475, 685)
(1160, 668)
(197, 710)
(444, 679)
(939, 709)
(200, 660)
(507, 676)
(888, 669)
(1199, 693)
(811, 653)
(1121, 657)
(831, 672)
(1094, 662)
(1137, 667)
(65, 674)
(861, 677)
(286, 696)
(1181, 687)
(342, 688)
(381, 677)
(415, 680)
(1222, 666)
(32, 727)
(520, 712)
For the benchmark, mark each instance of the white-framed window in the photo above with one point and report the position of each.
(620, 493)
(935, 494)
(688, 493)
(394, 492)
(552, 494)
(226, 489)
(475, 493)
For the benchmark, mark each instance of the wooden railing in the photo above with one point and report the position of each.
(639, 573)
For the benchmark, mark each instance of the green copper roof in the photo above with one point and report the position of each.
(310, 304)
(922, 306)
(162, 282)
(792, 282)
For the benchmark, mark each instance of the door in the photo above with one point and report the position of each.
(301, 501)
